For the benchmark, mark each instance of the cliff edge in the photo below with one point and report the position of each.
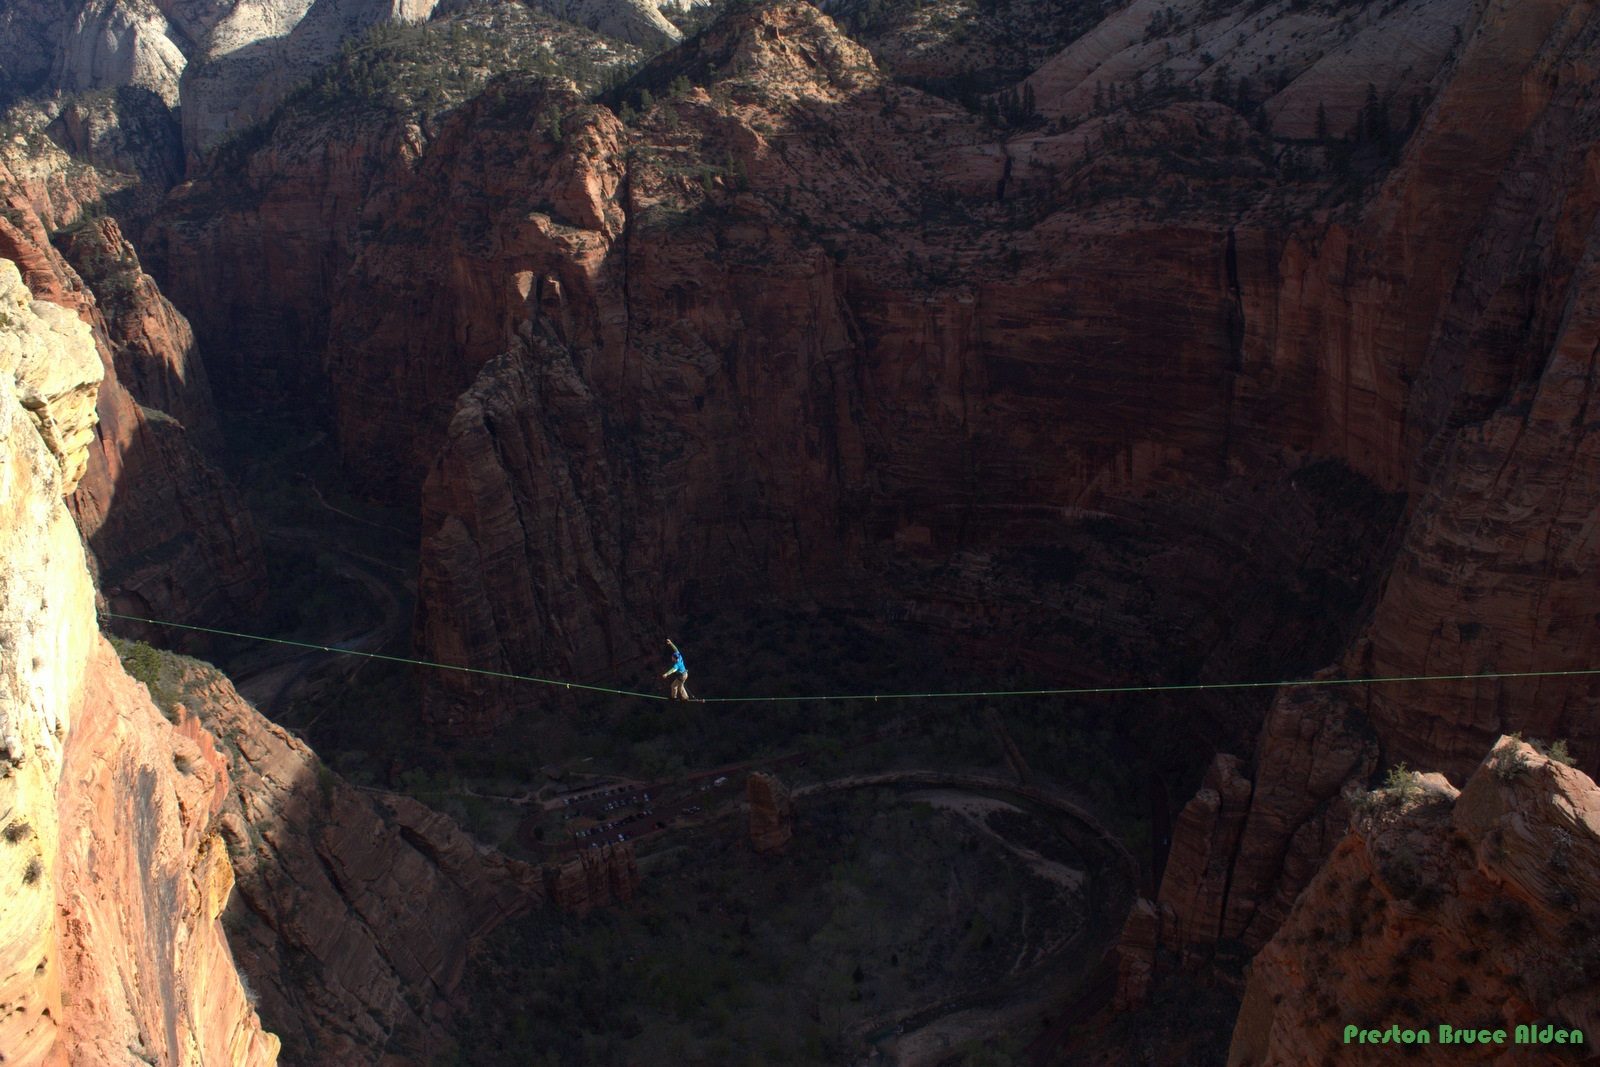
(109, 942)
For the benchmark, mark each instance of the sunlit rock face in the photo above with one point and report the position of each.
(115, 878)
(224, 63)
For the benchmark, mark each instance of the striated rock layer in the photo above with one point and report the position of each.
(1471, 908)
(109, 941)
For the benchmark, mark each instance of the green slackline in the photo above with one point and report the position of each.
(1097, 690)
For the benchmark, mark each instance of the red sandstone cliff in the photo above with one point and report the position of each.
(1490, 357)
(123, 824)
(600, 875)
(809, 371)
(356, 910)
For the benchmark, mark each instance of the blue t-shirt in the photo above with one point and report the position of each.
(677, 662)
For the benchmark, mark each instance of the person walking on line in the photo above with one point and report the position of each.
(679, 673)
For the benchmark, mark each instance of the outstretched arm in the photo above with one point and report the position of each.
(671, 645)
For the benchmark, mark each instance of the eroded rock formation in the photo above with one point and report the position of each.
(599, 876)
(1485, 371)
(771, 812)
(221, 64)
(1473, 908)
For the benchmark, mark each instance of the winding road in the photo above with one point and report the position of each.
(931, 1033)
(271, 680)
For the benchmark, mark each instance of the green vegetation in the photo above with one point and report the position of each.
(421, 71)
(1012, 109)
(1557, 751)
(144, 664)
(1403, 872)
(412, 68)
(992, 44)
(1510, 763)
(170, 677)
(113, 275)
(1402, 787)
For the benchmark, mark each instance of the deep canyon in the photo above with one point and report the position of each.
(861, 347)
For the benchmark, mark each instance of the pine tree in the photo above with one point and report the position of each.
(1369, 114)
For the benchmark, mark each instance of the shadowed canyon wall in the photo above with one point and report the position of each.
(817, 388)
(1497, 565)
(167, 533)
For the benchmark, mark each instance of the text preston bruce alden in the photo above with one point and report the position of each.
(1445, 1034)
